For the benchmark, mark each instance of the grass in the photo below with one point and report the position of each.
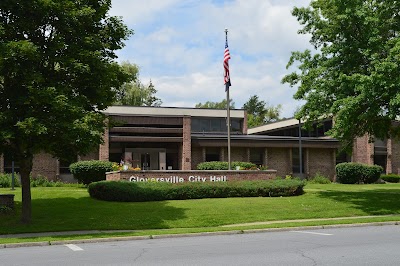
(71, 208)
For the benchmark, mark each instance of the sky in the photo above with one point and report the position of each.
(179, 46)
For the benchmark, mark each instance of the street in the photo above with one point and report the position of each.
(374, 245)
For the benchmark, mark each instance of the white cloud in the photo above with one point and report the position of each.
(179, 45)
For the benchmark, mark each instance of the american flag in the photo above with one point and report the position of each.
(227, 56)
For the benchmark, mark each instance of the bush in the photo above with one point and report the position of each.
(87, 172)
(319, 179)
(391, 178)
(41, 181)
(6, 180)
(352, 173)
(155, 191)
(224, 166)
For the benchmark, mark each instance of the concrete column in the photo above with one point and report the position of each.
(248, 154)
(187, 144)
(203, 153)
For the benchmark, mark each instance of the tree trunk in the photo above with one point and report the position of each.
(25, 170)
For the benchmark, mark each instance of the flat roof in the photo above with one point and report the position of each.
(171, 111)
(272, 126)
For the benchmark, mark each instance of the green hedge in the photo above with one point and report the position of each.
(391, 178)
(87, 172)
(6, 179)
(352, 173)
(151, 191)
(224, 166)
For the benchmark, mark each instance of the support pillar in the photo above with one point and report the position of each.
(187, 144)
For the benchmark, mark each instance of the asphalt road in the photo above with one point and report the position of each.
(375, 245)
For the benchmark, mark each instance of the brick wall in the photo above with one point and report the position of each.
(194, 176)
(238, 154)
(187, 144)
(279, 159)
(104, 148)
(245, 123)
(321, 161)
(1, 163)
(197, 156)
(395, 156)
(363, 151)
(46, 165)
(91, 156)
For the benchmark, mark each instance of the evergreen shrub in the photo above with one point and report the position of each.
(352, 173)
(224, 166)
(87, 172)
(391, 178)
(156, 191)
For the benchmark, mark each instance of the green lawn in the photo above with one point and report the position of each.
(71, 208)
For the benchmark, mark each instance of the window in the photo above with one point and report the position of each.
(212, 154)
(215, 125)
(256, 156)
(296, 161)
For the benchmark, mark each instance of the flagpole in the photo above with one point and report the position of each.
(228, 113)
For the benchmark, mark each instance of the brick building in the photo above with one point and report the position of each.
(163, 138)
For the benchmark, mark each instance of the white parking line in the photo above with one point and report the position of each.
(313, 233)
(73, 247)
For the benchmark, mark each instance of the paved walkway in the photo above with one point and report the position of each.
(92, 232)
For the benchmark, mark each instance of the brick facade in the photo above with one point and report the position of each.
(363, 150)
(317, 162)
(280, 160)
(393, 162)
(186, 144)
(45, 165)
(1, 163)
(104, 148)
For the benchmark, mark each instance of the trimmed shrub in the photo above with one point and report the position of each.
(155, 191)
(391, 178)
(87, 172)
(6, 180)
(224, 166)
(371, 174)
(352, 173)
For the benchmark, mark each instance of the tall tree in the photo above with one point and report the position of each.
(134, 93)
(260, 113)
(216, 105)
(353, 74)
(57, 72)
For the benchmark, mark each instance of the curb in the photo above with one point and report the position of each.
(233, 232)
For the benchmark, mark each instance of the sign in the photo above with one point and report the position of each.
(178, 179)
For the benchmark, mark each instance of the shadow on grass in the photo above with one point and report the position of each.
(372, 202)
(85, 213)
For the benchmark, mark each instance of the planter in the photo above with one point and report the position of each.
(7, 200)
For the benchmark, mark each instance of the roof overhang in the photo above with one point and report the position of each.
(171, 111)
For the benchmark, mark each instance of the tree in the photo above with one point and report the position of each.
(353, 75)
(216, 105)
(134, 93)
(56, 73)
(260, 113)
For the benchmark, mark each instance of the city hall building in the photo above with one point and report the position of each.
(167, 138)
